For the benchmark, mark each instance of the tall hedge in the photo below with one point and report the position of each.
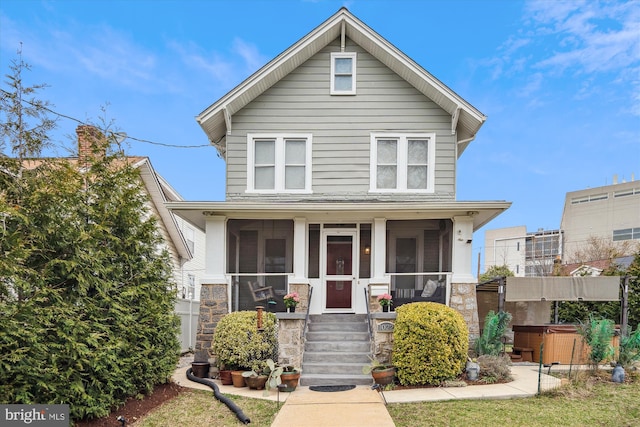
(431, 343)
(86, 303)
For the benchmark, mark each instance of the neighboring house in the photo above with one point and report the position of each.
(184, 242)
(610, 213)
(341, 157)
(525, 254)
(596, 267)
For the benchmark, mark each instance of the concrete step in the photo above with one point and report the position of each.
(338, 318)
(335, 379)
(338, 346)
(336, 368)
(332, 357)
(337, 336)
(338, 326)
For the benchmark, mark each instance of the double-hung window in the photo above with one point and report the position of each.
(279, 163)
(343, 73)
(402, 162)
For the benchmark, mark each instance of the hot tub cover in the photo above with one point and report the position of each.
(601, 288)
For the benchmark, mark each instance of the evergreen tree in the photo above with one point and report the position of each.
(85, 293)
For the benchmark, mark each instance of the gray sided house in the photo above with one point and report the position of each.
(341, 159)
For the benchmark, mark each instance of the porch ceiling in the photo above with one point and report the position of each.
(197, 212)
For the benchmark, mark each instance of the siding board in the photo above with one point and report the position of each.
(341, 126)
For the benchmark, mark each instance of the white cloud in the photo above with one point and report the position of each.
(594, 36)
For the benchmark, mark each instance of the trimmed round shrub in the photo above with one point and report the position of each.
(239, 345)
(430, 343)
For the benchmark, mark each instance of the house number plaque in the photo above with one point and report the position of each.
(385, 327)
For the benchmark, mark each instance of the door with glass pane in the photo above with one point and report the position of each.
(339, 275)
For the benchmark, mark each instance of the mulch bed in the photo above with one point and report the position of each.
(134, 409)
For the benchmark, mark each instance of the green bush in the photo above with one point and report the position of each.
(629, 350)
(495, 325)
(431, 342)
(494, 369)
(238, 344)
(597, 333)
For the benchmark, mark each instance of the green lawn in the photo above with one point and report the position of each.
(588, 403)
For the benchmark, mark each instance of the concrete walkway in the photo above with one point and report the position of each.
(362, 406)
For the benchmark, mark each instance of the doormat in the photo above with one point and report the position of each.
(331, 387)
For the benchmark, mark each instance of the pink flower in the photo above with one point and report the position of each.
(384, 299)
(291, 300)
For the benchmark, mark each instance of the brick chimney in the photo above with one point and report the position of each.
(91, 144)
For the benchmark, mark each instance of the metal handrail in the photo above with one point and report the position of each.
(306, 318)
(366, 300)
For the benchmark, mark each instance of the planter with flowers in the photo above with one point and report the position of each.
(291, 300)
(385, 302)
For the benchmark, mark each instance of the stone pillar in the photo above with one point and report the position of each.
(463, 299)
(290, 341)
(213, 306)
(383, 324)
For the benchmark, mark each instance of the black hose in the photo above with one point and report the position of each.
(216, 393)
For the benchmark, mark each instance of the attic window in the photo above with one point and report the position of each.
(343, 73)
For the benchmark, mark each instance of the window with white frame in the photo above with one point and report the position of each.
(279, 163)
(343, 73)
(402, 162)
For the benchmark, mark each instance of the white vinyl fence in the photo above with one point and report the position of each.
(188, 311)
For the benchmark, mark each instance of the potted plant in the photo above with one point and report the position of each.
(225, 375)
(289, 378)
(237, 377)
(254, 380)
(291, 300)
(385, 301)
(382, 373)
(274, 377)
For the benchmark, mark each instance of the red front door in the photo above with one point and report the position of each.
(339, 274)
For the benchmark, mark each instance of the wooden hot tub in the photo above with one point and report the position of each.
(559, 341)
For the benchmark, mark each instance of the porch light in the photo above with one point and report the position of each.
(367, 250)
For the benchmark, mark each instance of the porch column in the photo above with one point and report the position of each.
(462, 295)
(214, 292)
(299, 251)
(379, 250)
(215, 253)
(462, 249)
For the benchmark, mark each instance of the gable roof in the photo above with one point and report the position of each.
(216, 120)
(156, 186)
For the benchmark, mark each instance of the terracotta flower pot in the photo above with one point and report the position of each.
(289, 381)
(225, 377)
(256, 382)
(238, 379)
(384, 376)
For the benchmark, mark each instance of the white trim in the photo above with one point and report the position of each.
(355, 265)
(334, 56)
(402, 161)
(279, 165)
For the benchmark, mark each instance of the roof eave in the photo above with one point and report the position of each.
(215, 124)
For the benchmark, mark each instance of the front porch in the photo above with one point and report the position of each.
(330, 253)
(410, 259)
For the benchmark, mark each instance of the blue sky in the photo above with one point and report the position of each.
(558, 80)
